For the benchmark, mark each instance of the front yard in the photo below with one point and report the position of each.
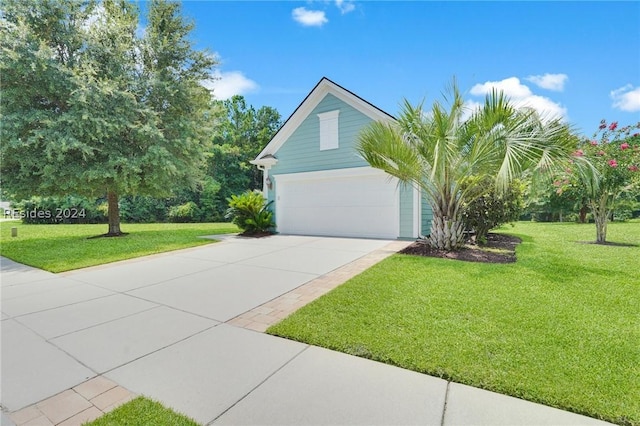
(561, 326)
(58, 248)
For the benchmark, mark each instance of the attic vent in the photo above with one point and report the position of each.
(328, 130)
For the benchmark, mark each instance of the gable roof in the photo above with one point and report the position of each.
(324, 87)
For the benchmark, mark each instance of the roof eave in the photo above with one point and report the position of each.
(323, 87)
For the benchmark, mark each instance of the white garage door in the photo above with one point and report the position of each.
(360, 202)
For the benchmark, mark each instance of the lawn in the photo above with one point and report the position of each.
(59, 248)
(142, 412)
(561, 326)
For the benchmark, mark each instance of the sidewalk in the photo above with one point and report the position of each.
(185, 328)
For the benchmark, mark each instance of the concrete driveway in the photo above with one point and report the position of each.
(163, 326)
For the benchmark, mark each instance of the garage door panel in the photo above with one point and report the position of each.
(356, 206)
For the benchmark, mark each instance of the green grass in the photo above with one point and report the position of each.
(59, 248)
(142, 412)
(560, 327)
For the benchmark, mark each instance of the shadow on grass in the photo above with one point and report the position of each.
(121, 234)
(609, 243)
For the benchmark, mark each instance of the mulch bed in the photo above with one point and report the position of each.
(500, 248)
(256, 234)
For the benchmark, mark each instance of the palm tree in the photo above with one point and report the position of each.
(437, 151)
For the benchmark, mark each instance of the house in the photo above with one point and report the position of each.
(320, 185)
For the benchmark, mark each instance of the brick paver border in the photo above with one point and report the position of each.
(75, 406)
(262, 317)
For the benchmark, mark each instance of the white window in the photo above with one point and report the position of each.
(329, 130)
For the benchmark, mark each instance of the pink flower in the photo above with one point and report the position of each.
(624, 146)
(633, 168)
(613, 125)
(578, 153)
(557, 183)
(600, 153)
(613, 163)
(594, 143)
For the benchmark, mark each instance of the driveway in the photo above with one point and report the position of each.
(144, 318)
(169, 326)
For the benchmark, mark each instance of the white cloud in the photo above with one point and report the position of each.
(626, 98)
(521, 96)
(345, 6)
(227, 84)
(309, 18)
(545, 106)
(510, 86)
(549, 81)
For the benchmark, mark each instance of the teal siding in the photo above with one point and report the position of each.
(301, 152)
(406, 211)
(427, 216)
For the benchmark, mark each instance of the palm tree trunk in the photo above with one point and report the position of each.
(447, 228)
(446, 234)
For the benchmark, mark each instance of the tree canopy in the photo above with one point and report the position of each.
(241, 132)
(93, 107)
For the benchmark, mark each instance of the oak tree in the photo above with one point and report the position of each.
(92, 105)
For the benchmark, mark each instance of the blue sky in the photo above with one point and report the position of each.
(580, 60)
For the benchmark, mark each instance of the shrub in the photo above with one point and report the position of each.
(491, 208)
(250, 212)
(187, 212)
(143, 209)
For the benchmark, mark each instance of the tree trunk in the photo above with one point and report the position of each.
(114, 214)
(600, 215)
(583, 213)
(446, 234)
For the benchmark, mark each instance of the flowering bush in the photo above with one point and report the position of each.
(604, 167)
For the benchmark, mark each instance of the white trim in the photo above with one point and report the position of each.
(324, 87)
(329, 115)
(329, 130)
(266, 162)
(331, 174)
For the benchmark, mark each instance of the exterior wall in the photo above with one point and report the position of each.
(301, 153)
(427, 215)
(406, 211)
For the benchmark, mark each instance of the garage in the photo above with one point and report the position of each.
(358, 202)
(317, 183)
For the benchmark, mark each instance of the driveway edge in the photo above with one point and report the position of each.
(262, 317)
